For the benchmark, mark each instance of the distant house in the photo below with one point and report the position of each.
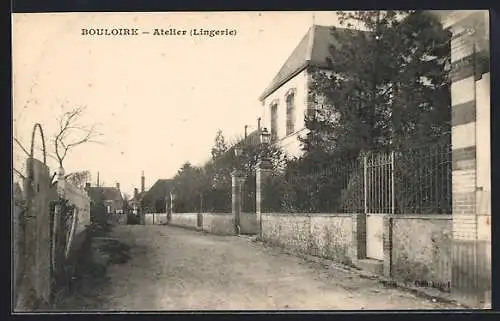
(287, 98)
(110, 196)
(135, 202)
(156, 198)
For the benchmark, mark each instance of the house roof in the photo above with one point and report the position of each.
(137, 198)
(108, 193)
(252, 138)
(160, 189)
(312, 50)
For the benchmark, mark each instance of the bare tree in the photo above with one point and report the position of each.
(72, 134)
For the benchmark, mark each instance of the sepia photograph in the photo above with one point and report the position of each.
(251, 161)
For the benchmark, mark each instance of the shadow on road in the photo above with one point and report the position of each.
(90, 279)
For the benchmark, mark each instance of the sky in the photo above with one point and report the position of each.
(157, 100)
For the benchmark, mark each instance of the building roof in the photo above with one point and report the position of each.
(160, 189)
(252, 138)
(108, 193)
(312, 50)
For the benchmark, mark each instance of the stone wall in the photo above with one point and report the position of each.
(189, 220)
(218, 223)
(249, 223)
(331, 236)
(155, 218)
(418, 252)
(324, 235)
(421, 249)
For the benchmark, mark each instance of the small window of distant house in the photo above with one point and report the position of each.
(109, 209)
(290, 113)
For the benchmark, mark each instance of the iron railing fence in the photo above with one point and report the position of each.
(413, 180)
(209, 201)
(248, 194)
(423, 180)
(335, 186)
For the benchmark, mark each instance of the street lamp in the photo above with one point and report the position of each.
(265, 137)
(238, 151)
(265, 140)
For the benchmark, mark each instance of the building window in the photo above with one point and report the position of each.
(274, 121)
(290, 113)
(109, 209)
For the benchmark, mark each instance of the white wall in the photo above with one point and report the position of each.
(483, 150)
(300, 83)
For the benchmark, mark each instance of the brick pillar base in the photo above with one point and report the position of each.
(388, 223)
(358, 248)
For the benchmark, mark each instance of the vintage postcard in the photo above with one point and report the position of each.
(195, 161)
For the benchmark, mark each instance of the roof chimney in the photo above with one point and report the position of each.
(246, 127)
(258, 124)
(98, 179)
(143, 182)
(136, 191)
(117, 185)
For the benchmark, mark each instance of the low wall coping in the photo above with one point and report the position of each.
(394, 216)
(184, 213)
(208, 213)
(310, 214)
(218, 214)
(421, 216)
(330, 215)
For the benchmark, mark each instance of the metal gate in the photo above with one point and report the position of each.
(248, 197)
(379, 200)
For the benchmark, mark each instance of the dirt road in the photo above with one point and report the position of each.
(175, 269)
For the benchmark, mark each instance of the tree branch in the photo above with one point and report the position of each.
(68, 123)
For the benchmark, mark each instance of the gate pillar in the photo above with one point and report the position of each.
(238, 179)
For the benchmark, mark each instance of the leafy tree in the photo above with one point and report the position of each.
(208, 187)
(220, 146)
(188, 184)
(386, 88)
(126, 206)
(387, 85)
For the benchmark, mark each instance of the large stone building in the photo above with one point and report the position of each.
(286, 100)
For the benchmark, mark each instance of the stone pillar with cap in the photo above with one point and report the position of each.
(262, 173)
(238, 179)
